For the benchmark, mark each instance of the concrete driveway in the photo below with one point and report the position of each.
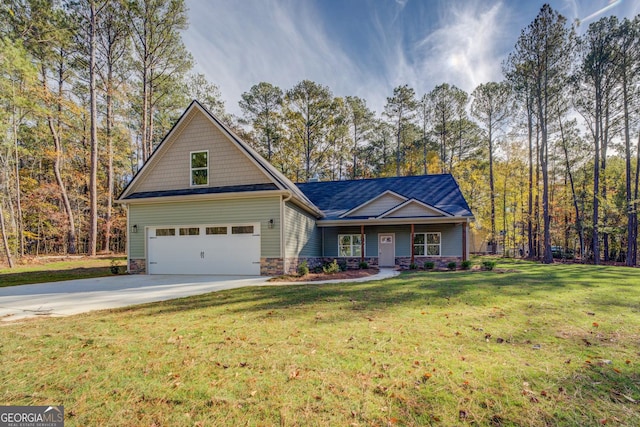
(79, 296)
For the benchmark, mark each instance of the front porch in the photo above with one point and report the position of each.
(389, 245)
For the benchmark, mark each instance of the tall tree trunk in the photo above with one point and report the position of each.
(108, 132)
(635, 205)
(603, 174)
(596, 180)
(144, 115)
(355, 151)
(57, 143)
(398, 136)
(493, 195)
(20, 224)
(530, 199)
(631, 237)
(93, 179)
(547, 257)
(424, 146)
(536, 207)
(443, 141)
(150, 109)
(5, 242)
(573, 189)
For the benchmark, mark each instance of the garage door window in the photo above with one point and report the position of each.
(199, 168)
(216, 230)
(190, 231)
(162, 232)
(244, 229)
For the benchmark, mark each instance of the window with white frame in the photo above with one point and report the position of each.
(427, 244)
(199, 168)
(350, 245)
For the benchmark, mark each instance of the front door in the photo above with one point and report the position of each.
(386, 250)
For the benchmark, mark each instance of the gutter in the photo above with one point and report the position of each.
(393, 221)
(211, 196)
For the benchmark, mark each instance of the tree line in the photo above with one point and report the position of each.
(546, 157)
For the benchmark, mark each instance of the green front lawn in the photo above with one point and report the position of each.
(533, 345)
(40, 271)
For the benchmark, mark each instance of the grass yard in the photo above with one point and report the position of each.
(38, 271)
(534, 346)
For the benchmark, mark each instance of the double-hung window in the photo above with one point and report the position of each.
(199, 168)
(349, 245)
(427, 244)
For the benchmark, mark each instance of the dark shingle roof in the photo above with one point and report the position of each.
(335, 198)
(201, 190)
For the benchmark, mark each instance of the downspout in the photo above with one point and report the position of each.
(412, 247)
(465, 251)
(362, 243)
(128, 237)
(283, 250)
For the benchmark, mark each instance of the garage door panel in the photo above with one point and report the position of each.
(204, 253)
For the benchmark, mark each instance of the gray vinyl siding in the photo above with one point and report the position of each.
(301, 235)
(451, 235)
(210, 212)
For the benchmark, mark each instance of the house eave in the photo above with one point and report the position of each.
(393, 221)
(308, 208)
(200, 197)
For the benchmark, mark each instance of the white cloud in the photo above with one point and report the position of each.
(238, 44)
(467, 48)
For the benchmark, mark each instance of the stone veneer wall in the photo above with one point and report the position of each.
(440, 262)
(275, 266)
(137, 266)
(271, 266)
(314, 262)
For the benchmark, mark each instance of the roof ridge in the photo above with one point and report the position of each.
(377, 179)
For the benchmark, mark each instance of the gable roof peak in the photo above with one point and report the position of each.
(281, 181)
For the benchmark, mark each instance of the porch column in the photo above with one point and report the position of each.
(412, 249)
(464, 241)
(362, 243)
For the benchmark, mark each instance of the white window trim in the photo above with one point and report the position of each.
(351, 246)
(191, 169)
(426, 245)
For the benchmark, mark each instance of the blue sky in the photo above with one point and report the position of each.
(366, 47)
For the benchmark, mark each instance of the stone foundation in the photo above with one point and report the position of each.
(137, 266)
(318, 262)
(276, 266)
(271, 266)
(292, 264)
(440, 262)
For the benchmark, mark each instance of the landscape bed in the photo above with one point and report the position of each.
(533, 345)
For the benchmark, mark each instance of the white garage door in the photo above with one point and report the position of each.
(204, 249)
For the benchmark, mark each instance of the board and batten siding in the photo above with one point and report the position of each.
(227, 164)
(301, 235)
(451, 235)
(208, 212)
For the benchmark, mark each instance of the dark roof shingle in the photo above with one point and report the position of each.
(201, 190)
(335, 198)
